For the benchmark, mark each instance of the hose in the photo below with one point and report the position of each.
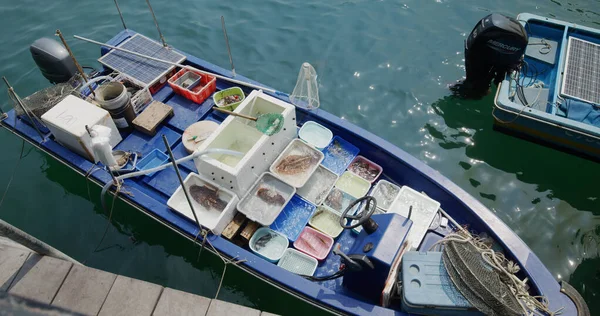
(92, 81)
(109, 184)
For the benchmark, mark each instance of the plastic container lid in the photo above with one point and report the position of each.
(314, 243)
(327, 221)
(268, 244)
(353, 184)
(315, 134)
(298, 262)
(365, 168)
(195, 134)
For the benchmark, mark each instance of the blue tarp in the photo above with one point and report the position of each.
(581, 112)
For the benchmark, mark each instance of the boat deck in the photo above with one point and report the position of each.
(88, 291)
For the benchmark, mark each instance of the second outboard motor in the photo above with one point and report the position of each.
(53, 60)
(494, 48)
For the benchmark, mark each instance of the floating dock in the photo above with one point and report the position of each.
(58, 284)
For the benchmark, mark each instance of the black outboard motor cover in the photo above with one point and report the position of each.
(53, 60)
(494, 48)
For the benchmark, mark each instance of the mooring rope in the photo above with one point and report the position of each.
(13, 173)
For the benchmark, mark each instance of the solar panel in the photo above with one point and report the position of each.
(582, 71)
(144, 70)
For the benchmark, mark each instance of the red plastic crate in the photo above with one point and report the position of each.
(201, 92)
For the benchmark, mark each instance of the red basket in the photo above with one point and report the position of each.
(207, 86)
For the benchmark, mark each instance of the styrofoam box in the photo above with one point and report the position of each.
(210, 218)
(239, 173)
(423, 211)
(67, 121)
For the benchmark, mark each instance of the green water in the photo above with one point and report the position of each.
(382, 65)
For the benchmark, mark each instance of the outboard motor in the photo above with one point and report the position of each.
(53, 60)
(494, 48)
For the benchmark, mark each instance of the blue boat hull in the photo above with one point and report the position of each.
(399, 167)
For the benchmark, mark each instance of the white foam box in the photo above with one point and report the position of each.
(67, 121)
(259, 150)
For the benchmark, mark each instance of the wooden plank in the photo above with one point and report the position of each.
(84, 290)
(249, 230)
(174, 302)
(11, 260)
(7, 242)
(221, 308)
(232, 229)
(151, 117)
(130, 297)
(40, 278)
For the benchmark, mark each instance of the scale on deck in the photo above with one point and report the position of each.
(143, 70)
(581, 80)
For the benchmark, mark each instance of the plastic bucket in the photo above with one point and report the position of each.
(113, 97)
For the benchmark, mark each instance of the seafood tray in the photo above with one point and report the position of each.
(315, 134)
(238, 173)
(268, 244)
(338, 200)
(327, 221)
(353, 184)
(314, 243)
(365, 168)
(339, 154)
(293, 218)
(318, 185)
(214, 206)
(152, 160)
(266, 199)
(297, 163)
(423, 212)
(229, 99)
(298, 262)
(384, 193)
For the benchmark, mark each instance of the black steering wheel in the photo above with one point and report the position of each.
(361, 217)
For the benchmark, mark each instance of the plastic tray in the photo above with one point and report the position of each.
(218, 96)
(384, 193)
(199, 93)
(153, 159)
(293, 218)
(209, 216)
(271, 248)
(423, 212)
(298, 262)
(339, 154)
(314, 243)
(318, 186)
(327, 221)
(315, 134)
(371, 170)
(353, 184)
(338, 200)
(257, 209)
(297, 148)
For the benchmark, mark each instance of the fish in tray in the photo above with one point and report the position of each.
(364, 170)
(207, 197)
(270, 196)
(264, 240)
(294, 164)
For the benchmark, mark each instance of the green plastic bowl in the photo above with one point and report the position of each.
(218, 96)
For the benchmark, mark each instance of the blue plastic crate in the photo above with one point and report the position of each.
(294, 217)
(339, 154)
(154, 159)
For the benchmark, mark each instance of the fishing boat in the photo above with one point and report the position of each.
(552, 95)
(312, 204)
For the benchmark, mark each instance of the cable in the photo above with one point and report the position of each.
(107, 224)
(13, 173)
(334, 276)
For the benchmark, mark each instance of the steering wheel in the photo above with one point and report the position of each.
(361, 217)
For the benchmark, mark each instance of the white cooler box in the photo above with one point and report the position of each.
(67, 121)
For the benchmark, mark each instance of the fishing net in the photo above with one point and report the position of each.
(487, 279)
(269, 123)
(306, 91)
(41, 101)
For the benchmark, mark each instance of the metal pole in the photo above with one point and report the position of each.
(59, 34)
(243, 83)
(162, 38)
(120, 15)
(19, 102)
(185, 191)
(11, 232)
(227, 43)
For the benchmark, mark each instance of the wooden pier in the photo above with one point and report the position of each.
(88, 291)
